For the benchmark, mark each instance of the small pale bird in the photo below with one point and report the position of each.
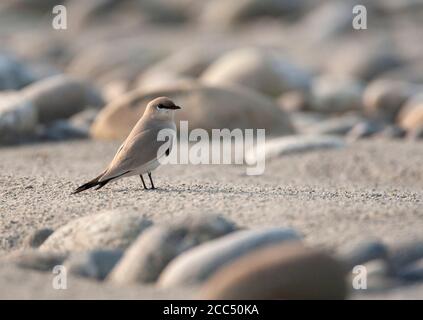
(138, 155)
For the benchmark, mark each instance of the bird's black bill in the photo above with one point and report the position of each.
(173, 107)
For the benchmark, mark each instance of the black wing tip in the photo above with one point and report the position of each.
(83, 188)
(95, 183)
(88, 185)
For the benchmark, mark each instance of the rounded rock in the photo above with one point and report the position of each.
(384, 98)
(18, 117)
(37, 238)
(287, 271)
(60, 97)
(187, 62)
(256, 69)
(365, 129)
(336, 94)
(232, 108)
(415, 134)
(155, 248)
(363, 60)
(363, 253)
(392, 132)
(198, 264)
(105, 230)
(95, 264)
(278, 147)
(13, 74)
(410, 116)
(117, 60)
(36, 260)
(338, 125)
(224, 14)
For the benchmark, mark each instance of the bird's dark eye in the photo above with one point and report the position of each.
(160, 106)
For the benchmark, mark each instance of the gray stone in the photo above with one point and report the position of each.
(303, 120)
(84, 119)
(363, 60)
(288, 145)
(85, 12)
(37, 238)
(62, 130)
(105, 61)
(378, 278)
(60, 97)
(365, 129)
(391, 132)
(13, 74)
(18, 117)
(363, 253)
(411, 292)
(232, 108)
(105, 230)
(293, 101)
(155, 248)
(95, 264)
(334, 125)
(336, 94)
(224, 14)
(30, 6)
(412, 273)
(163, 11)
(404, 255)
(187, 62)
(411, 73)
(410, 117)
(325, 21)
(263, 71)
(384, 98)
(198, 264)
(36, 260)
(415, 134)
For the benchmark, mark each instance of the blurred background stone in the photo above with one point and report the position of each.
(278, 147)
(410, 116)
(60, 97)
(221, 14)
(363, 61)
(231, 108)
(383, 98)
(14, 74)
(335, 94)
(256, 69)
(18, 117)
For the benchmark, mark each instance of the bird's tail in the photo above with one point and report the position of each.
(93, 183)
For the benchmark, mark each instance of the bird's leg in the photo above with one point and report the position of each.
(143, 183)
(151, 181)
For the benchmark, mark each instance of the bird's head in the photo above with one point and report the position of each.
(161, 108)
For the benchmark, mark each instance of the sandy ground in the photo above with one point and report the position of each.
(335, 198)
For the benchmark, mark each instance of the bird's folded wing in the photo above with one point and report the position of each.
(135, 152)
